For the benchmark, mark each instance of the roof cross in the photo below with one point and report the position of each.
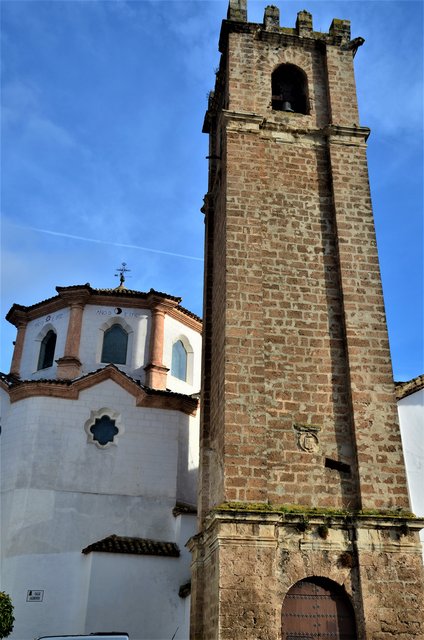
(121, 271)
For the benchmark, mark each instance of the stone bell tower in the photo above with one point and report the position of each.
(305, 529)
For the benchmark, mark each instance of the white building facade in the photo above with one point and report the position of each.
(99, 463)
(410, 397)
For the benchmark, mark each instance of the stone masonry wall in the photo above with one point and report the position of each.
(257, 558)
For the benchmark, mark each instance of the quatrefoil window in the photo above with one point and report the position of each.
(103, 428)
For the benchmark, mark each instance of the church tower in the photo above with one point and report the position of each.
(305, 528)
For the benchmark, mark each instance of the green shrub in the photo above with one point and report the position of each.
(6, 615)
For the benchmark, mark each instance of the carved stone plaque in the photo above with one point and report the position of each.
(307, 437)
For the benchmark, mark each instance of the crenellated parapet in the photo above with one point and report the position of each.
(323, 62)
(338, 33)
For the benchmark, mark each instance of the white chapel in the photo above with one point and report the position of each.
(99, 462)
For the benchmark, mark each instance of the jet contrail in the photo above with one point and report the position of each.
(115, 244)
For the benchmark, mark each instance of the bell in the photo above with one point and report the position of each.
(287, 106)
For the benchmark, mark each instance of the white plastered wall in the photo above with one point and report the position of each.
(411, 417)
(97, 318)
(151, 608)
(188, 459)
(174, 331)
(35, 332)
(62, 493)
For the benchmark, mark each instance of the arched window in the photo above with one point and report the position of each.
(48, 345)
(115, 342)
(179, 361)
(289, 89)
(317, 608)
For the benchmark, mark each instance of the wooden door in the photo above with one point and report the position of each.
(317, 609)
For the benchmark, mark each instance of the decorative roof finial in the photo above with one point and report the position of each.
(121, 271)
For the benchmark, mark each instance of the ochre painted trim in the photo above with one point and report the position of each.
(21, 324)
(156, 370)
(95, 297)
(70, 390)
(188, 321)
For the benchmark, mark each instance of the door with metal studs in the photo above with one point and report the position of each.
(317, 609)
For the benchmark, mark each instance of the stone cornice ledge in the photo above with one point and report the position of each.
(374, 520)
(367, 533)
(290, 131)
(243, 116)
(340, 133)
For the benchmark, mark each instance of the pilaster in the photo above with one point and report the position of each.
(20, 320)
(156, 371)
(69, 365)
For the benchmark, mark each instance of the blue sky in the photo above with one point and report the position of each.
(103, 159)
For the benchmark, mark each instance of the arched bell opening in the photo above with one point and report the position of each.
(290, 89)
(315, 609)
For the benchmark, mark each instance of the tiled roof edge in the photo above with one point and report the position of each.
(405, 389)
(183, 508)
(10, 379)
(185, 590)
(119, 291)
(134, 546)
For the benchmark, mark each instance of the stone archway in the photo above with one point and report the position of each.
(317, 609)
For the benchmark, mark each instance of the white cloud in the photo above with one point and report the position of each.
(110, 242)
(45, 129)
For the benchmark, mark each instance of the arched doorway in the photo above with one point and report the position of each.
(317, 609)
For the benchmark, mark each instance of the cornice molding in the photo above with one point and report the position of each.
(294, 128)
(67, 296)
(24, 315)
(188, 321)
(70, 390)
(75, 295)
(340, 133)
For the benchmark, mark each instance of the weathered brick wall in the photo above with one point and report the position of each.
(213, 389)
(341, 88)
(380, 459)
(284, 326)
(295, 326)
(251, 62)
